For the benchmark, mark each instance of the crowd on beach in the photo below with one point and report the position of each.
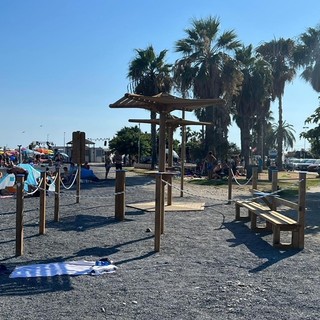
(68, 170)
(217, 169)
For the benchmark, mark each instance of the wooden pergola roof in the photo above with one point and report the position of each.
(86, 142)
(172, 121)
(164, 102)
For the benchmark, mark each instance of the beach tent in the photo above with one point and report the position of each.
(87, 174)
(8, 180)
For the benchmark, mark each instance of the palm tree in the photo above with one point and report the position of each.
(307, 55)
(150, 75)
(313, 134)
(209, 72)
(279, 53)
(253, 102)
(287, 133)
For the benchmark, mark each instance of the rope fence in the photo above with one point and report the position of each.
(119, 195)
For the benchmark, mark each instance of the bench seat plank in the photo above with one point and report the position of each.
(251, 206)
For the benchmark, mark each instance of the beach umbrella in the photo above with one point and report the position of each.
(174, 154)
(28, 152)
(64, 155)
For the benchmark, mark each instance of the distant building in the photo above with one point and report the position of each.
(92, 154)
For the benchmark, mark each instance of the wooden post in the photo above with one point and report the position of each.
(19, 214)
(165, 177)
(42, 218)
(78, 183)
(183, 153)
(274, 187)
(57, 196)
(158, 209)
(229, 185)
(170, 165)
(120, 195)
(254, 177)
(302, 207)
(162, 142)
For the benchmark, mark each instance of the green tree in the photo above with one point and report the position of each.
(150, 75)
(279, 53)
(307, 56)
(252, 104)
(287, 133)
(313, 135)
(127, 140)
(209, 71)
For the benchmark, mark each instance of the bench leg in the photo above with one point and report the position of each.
(253, 220)
(298, 238)
(268, 225)
(276, 235)
(237, 212)
(295, 239)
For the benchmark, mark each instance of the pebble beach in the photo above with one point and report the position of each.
(209, 265)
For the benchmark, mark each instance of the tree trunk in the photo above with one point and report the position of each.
(245, 142)
(280, 136)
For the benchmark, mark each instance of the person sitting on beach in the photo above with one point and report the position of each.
(211, 162)
(86, 165)
(18, 170)
(66, 176)
(220, 170)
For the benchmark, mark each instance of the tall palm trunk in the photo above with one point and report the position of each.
(245, 132)
(261, 140)
(280, 135)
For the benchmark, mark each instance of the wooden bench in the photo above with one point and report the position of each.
(274, 220)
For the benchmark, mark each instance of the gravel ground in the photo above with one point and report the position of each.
(209, 266)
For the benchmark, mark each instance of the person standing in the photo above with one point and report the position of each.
(107, 163)
(117, 159)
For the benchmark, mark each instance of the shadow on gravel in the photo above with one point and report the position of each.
(108, 251)
(32, 286)
(129, 182)
(82, 223)
(255, 243)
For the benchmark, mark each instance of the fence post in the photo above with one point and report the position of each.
(19, 214)
(254, 177)
(57, 196)
(78, 183)
(42, 218)
(302, 207)
(158, 209)
(274, 187)
(229, 185)
(120, 195)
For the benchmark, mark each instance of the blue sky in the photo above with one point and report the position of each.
(63, 62)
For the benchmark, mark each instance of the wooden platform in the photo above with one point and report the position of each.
(175, 206)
